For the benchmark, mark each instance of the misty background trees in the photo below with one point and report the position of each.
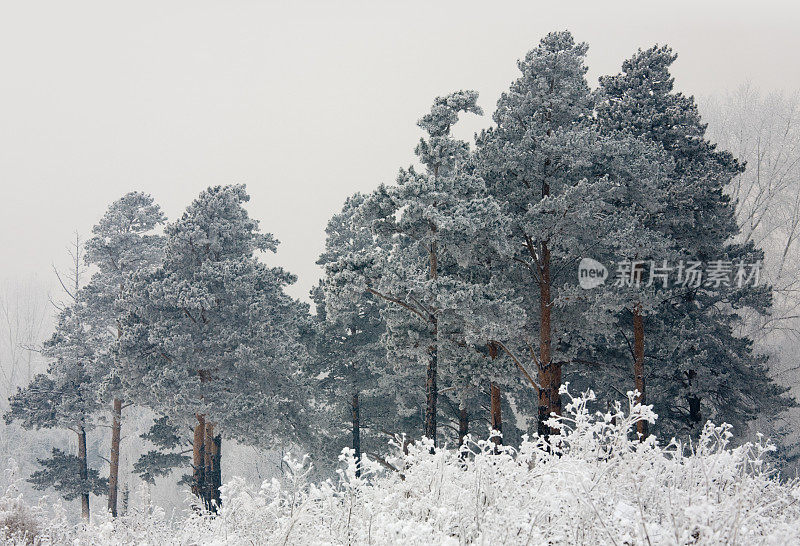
(449, 302)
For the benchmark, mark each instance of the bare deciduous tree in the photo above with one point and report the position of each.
(23, 319)
(764, 131)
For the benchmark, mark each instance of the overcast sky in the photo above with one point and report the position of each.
(305, 102)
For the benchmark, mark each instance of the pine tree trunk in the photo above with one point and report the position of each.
(638, 365)
(431, 388)
(116, 437)
(431, 394)
(355, 415)
(216, 477)
(212, 473)
(463, 425)
(199, 457)
(496, 419)
(113, 467)
(208, 465)
(84, 471)
(695, 414)
(125, 499)
(495, 412)
(549, 372)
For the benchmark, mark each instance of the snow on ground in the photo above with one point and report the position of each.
(594, 486)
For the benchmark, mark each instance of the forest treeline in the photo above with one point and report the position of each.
(451, 301)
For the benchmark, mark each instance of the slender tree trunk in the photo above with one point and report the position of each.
(496, 413)
(431, 388)
(355, 415)
(84, 471)
(208, 466)
(212, 473)
(549, 371)
(431, 394)
(463, 425)
(638, 364)
(199, 457)
(125, 498)
(113, 467)
(217, 475)
(695, 413)
(116, 437)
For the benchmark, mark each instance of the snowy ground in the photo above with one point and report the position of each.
(595, 487)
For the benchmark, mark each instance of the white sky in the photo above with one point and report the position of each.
(306, 102)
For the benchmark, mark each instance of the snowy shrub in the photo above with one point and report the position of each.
(18, 521)
(595, 483)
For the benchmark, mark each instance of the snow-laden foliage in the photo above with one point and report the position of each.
(716, 373)
(596, 484)
(211, 331)
(432, 236)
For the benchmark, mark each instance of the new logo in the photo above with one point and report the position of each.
(591, 273)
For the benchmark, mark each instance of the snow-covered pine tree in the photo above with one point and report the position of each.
(350, 355)
(211, 338)
(123, 243)
(405, 272)
(479, 314)
(65, 397)
(704, 370)
(346, 354)
(538, 164)
(631, 239)
(428, 230)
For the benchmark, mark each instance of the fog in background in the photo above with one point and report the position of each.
(305, 102)
(308, 102)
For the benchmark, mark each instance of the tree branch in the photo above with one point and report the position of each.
(399, 302)
(518, 363)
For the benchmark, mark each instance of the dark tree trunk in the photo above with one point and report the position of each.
(495, 412)
(217, 477)
(199, 457)
(116, 437)
(694, 410)
(212, 473)
(84, 471)
(549, 371)
(431, 388)
(463, 425)
(355, 416)
(208, 465)
(695, 415)
(496, 421)
(113, 467)
(431, 394)
(638, 365)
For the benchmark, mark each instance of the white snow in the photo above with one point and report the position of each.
(596, 485)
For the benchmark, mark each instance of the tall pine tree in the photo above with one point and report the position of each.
(211, 338)
(123, 243)
(702, 370)
(66, 396)
(538, 164)
(427, 230)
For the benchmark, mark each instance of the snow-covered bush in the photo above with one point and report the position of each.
(595, 483)
(18, 521)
